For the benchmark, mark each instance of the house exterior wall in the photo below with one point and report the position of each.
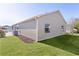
(27, 28)
(30, 33)
(56, 21)
(13, 27)
(30, 24)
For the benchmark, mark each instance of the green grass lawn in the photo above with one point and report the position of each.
(66, 45)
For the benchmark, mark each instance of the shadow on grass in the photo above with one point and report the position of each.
(68, 43)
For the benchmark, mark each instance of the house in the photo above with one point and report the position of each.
(2, 28)
(77, 20)
(8, 30)
(70, 28)
(42, 27)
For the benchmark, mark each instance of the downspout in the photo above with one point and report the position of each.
(36, 29)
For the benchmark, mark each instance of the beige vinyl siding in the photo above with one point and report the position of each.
(28, 29)
(35, 27)
(31, 33)
(28, 25)
(56, 21)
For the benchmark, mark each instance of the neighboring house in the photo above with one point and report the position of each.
(71, 24)
(77, 20)
(8, 30)
(69, 28)
(42, 27)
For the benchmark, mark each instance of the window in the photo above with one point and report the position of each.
(47, 29)
(62, 27)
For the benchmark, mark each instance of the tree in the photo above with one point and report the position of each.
(76, 26)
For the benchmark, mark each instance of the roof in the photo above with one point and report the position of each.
(38, 16)
(25, 21)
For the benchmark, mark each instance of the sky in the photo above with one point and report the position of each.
(11, 13)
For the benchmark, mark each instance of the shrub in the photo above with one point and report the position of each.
(77, 30)
(77, 26)
(2, 33)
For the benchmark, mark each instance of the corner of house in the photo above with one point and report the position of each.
(36, 29)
